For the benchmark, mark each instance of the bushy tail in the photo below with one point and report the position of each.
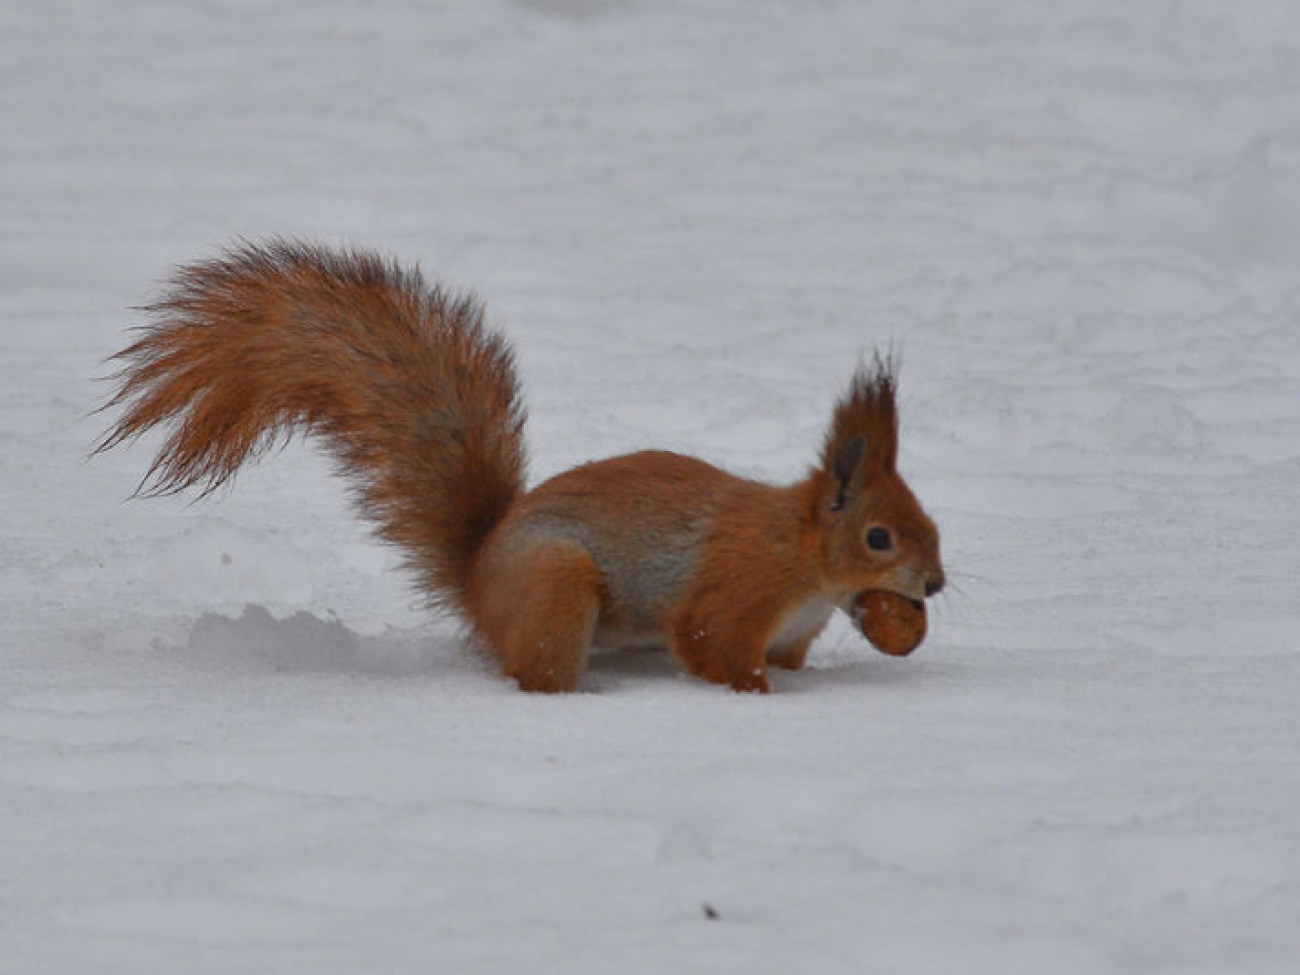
(416, 399)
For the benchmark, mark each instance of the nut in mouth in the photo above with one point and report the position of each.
(894, 624)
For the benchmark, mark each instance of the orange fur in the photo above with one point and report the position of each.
(419, 404)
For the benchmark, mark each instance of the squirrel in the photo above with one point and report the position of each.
(418, 403)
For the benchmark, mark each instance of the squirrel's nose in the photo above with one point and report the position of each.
(934, 583)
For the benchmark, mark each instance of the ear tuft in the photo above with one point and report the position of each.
(864, 428)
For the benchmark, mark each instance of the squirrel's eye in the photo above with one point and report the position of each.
(878, 539)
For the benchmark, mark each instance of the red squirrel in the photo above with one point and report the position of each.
(419, 404)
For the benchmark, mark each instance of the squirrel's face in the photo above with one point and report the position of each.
(880, 538)
(875, 534)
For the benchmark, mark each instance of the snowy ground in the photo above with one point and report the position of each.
(231, 741)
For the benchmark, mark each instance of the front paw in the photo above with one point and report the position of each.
(753, 681)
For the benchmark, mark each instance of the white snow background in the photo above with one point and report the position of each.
(232, 741)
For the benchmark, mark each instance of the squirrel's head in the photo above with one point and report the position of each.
(875, 533)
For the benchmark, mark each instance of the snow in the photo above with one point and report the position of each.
(231, 739)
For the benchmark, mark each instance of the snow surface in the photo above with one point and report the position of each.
(231, 740)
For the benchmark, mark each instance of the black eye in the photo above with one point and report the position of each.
(878, 539)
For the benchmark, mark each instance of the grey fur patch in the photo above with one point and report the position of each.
(644, 578)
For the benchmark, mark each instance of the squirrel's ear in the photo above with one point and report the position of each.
(844, 465)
